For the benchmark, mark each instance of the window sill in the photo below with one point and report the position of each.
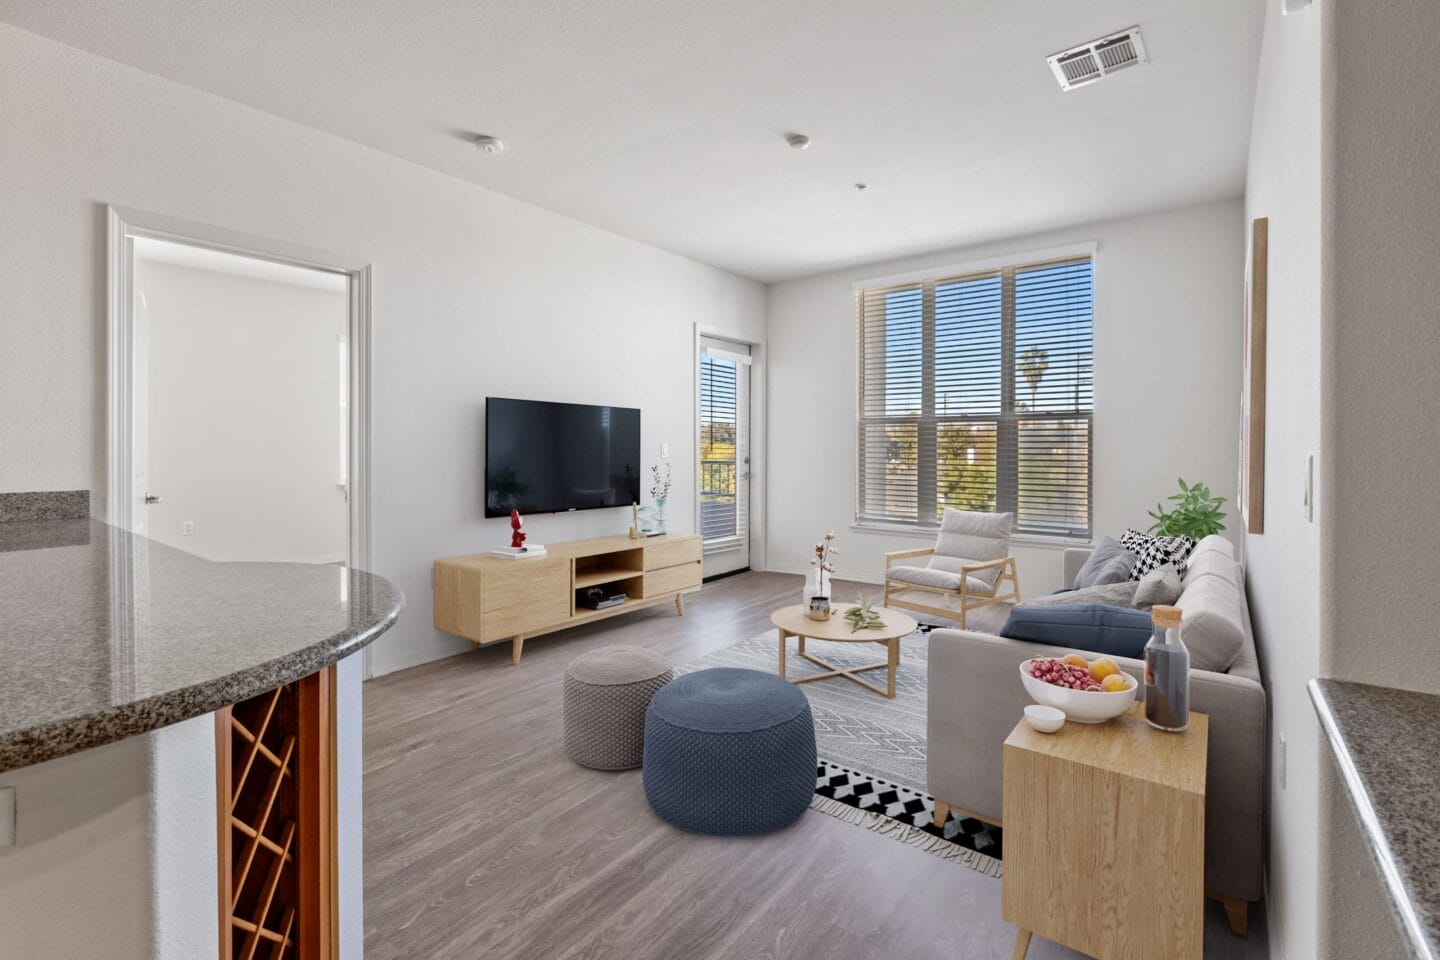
(929, 534)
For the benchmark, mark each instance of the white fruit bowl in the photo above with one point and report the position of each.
(1081, 706)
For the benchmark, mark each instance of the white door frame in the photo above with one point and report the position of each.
(758, 467)
(124, 226)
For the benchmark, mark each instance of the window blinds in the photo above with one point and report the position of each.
(723, 437)
(977, 392)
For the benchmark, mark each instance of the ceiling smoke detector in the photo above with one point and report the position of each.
(797, 141)
(1097, 59)
(488, 144)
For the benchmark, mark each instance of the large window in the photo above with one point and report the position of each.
(976, 392)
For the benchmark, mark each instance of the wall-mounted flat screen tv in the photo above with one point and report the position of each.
(545, 457)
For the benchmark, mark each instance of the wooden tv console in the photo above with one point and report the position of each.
(485, 598)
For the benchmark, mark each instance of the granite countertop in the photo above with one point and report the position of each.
(1387, 748)
(105, 634)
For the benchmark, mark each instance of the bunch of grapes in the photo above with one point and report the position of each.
(1063, 674)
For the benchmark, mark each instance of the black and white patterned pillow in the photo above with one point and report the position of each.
(1154, 552)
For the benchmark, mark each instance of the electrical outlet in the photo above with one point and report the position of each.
(1280, 761)
(187, 528)
(7, 816)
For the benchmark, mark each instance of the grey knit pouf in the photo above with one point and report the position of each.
(606, 694)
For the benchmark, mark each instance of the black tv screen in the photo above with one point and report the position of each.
(550, 457)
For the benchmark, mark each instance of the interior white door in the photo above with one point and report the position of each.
(723, 470)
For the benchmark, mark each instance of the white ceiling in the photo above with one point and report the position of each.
(664, 120)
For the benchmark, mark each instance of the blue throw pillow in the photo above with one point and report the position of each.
(1094, 627)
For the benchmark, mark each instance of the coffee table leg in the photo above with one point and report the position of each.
(800, 639)
(782, 653)
(1022, 945)
(893, 651)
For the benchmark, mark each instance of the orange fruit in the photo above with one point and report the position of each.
(1115, 683)
(1102, 668)
(1075, 660)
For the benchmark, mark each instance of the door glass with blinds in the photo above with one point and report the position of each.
(724, 454)
(976, 391)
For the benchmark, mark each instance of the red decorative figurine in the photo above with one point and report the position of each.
(517, 539)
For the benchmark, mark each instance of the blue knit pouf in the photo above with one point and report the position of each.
(729, 752)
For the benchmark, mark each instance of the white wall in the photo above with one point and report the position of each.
(475, 294)
(244, 414)
(1383, 343)
(1168, 324)
(1282, 564)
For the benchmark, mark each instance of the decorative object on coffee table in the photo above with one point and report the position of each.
(1116, 793)
(863, 616)
(793, 622)
(817, 584)
(607, 692)
(729, 752)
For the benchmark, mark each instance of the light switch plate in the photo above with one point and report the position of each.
(7, 816)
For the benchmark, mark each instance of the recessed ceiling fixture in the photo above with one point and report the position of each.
(488, 144)
(861, 186)
(797, 141)
(1097, 59)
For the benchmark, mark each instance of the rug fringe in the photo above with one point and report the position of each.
(912, 836)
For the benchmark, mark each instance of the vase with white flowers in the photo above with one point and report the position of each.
(652, 519)
(817, 585)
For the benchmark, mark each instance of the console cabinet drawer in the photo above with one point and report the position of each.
(524, 595)
(658, 582)
(673, 553)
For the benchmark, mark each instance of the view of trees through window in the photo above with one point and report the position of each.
(977, 393)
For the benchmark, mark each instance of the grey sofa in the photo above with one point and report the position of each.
(975, 699)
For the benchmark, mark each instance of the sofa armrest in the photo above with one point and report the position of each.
(1075, 558)
(976, 698)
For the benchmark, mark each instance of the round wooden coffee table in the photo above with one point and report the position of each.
(792, 622)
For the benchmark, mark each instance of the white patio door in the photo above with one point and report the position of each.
(724, 454)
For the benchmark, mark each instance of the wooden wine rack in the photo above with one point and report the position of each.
(275, 790)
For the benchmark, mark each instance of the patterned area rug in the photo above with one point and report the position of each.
(872, 749)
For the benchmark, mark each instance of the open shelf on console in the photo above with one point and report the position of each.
(593, 570)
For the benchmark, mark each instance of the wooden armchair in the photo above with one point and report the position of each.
(969, 567)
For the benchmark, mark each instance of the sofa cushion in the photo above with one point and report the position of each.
(1161, 585)
(967, 538)
(939, 579)
(1120, 594)
(1108, 563)
(1213, 555)
(1094, 627)
(1213, 624)
(1152, 552)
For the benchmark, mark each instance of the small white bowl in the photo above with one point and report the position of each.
(1082, 706)
(1044, 719)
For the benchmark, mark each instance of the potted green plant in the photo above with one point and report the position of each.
(1193, 513)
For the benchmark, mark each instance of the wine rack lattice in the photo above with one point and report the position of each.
(276, 815)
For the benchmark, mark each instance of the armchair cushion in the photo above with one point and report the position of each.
(938, 579)
(1114, 631)
(1108, 563)
(967, 537)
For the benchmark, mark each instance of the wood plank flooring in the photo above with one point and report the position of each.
(483, 840)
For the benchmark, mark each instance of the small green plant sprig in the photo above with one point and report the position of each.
(862, 617)
(1194, 514)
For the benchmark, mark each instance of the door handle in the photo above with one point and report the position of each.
(151, 498)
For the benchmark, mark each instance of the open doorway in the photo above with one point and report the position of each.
(241, 398)
(238, 393)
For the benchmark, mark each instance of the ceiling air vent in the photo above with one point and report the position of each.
(1097, 59)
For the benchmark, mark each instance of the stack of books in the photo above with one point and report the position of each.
(519, 553)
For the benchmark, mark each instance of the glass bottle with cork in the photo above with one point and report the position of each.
(1167, 672)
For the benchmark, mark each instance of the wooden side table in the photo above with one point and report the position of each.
(1105, 837)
